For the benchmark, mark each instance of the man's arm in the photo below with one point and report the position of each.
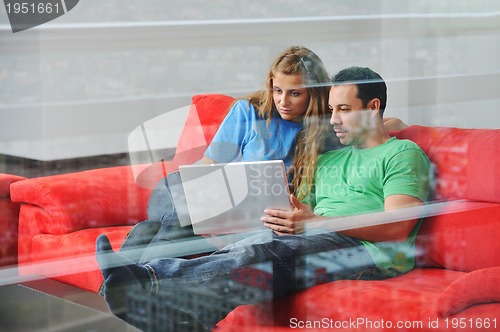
(396, 231)
(292, 222)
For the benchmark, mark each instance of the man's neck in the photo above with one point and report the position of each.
(375, 138)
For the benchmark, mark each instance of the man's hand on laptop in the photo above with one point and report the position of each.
(288, 222)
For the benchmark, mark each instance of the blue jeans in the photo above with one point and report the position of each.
(293, 261)
(160, 205)
(144, 242)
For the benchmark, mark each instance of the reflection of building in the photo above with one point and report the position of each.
(169, 309)
(63, 88)
(258, 277)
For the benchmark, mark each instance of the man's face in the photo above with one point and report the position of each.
(351, 122)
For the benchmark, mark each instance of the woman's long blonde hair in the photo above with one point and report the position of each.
(311, 139)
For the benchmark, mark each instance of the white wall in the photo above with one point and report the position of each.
(79, 85)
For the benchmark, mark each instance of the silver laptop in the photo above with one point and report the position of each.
(229, 198)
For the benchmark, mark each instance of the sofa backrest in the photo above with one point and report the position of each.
(205, 115)
(466, 161)
(466, 235)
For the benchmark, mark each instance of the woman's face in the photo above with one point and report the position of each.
(290, 97)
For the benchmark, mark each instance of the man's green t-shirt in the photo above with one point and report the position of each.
(353, 181)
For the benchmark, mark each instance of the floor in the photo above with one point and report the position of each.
(69, 293)
(48, 305)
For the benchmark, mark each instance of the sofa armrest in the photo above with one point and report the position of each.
(476, 287)
(5, 181)
(74, 201)
(8, 221)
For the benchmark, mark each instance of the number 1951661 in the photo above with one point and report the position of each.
(471, 323)
(32, 8)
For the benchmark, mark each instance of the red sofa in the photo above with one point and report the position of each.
(62, 215)
(454, 286)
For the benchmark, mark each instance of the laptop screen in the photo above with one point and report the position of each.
(231, 198)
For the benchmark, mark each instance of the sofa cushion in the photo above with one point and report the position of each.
(481, 286)
(76, 253)
(466, 160)
(408, 297)
(464, 237)
(358, 305)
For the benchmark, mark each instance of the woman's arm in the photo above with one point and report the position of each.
(394, 124)
(230, 138)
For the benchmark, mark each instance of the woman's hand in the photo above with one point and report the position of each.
(288, 222)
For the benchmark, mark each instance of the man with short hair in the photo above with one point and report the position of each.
(373, 173)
